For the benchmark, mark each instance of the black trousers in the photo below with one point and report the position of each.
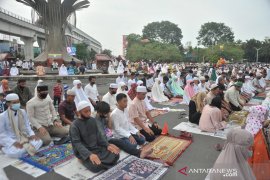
(56, 101)
(234, 108)
(149, 137)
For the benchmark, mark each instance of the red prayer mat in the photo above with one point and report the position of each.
(167, 148)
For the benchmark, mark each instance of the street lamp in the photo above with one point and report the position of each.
(257, 59)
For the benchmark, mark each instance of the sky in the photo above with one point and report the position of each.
(108, 20)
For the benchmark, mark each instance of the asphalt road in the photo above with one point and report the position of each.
(200, 154)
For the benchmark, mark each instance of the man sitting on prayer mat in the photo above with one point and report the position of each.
(43, 117)
(16, 135)
(67, 108)
(110, 96)
(88, 142)
(127, 136)
(139, 114)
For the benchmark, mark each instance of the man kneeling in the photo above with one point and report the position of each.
(128, 137)
(16, 135)
(89, 144)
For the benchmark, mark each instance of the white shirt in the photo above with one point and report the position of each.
(202, 88)
(91, 92)
(122, 128)
(110, 99)
(25, 65)
(14, 71)
(131, 81)
(119, 79)
(7, 135)
(19, 63)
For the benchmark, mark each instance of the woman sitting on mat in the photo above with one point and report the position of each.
(196, 105)
(234, 157)
(189, 89)
(211, 118)
(260, 161)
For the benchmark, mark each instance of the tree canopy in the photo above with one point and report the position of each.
(164, 32)
(107, 52)
(213, 33)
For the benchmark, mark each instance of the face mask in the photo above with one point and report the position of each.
(16, 106)
(250, 153)
(43, 96)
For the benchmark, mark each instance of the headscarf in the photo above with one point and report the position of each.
(80, 95)
(38, 83)
(157, 92)
(234, 156)
(255, 119)
(4, 87)
(132, 92)
(120, 85)
(176, 88)
(63, 70)
(199, 100)
(189, 90)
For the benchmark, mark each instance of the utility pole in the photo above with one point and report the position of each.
(257, 58)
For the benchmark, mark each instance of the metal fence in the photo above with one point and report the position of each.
(15, 15)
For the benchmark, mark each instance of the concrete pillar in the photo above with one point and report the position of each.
(41, 43)
(28, 47)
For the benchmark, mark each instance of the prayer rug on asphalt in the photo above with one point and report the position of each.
(50, 157)
(134, 168)
(157, 112)
(172, 102)
(167, 148)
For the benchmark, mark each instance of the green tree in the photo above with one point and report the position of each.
(228, 51)
(213, 33)
(107, 52)
(164, 32)
(249, 49)
(82, 51)
(92, 54)
(153, 51)
(264, 55)
(133, 38)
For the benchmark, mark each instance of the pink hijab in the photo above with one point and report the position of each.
(189, 90)
(234, 157)
(255, 119)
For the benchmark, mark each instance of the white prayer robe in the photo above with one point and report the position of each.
(81, 96)
(91, 92)
(119, 79)
(8, 136)
(110, 99)
(157, 92)
(122, 128)
(120, 68)
(14, 71)
(202, 87)
(63, 71)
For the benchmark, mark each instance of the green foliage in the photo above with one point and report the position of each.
(153, 51)
(229, 51)
(213, 33)
(133, 38)
(164, 32)
(82, 51)
(249, 49)
(107, 52)
(92, 54)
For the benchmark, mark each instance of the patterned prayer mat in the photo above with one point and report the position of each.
(134, 168)
(157, 112)
(167, 148)
(239, 117)
(51, 157)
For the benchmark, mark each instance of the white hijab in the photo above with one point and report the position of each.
(80, 94)
(157, 93)
(63, 70)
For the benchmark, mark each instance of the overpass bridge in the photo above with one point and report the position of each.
(15, 25)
